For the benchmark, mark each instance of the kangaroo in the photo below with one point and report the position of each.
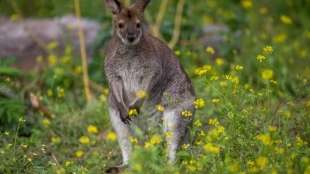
(137, 61)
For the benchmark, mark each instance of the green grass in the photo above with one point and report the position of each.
(253, 114)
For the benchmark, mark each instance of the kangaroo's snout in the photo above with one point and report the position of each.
(131, 37)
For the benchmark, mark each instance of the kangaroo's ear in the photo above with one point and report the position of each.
(114, 5)
(141, 5)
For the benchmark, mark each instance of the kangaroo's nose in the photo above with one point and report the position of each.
(131, 37)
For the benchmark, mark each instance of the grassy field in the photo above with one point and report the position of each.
(253, 105)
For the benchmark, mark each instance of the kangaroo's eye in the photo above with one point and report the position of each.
(120, 25)
(138, 25)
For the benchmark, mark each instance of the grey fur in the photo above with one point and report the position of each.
(147, 65)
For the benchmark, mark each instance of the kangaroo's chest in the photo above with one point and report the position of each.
(136, 72)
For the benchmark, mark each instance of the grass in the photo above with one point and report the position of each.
(253, 102)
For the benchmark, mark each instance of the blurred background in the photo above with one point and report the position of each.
(243, 56)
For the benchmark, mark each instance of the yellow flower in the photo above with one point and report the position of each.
(132, 112)
(262, 162)
(286, 19)
(168, 134)
(211, 148)
(111, 136)
(60, 92)
(219, 61)
(272, 128)
(247, 4)
(133, 140)
(155, 139)
(264, 138)
(238, 67)
(160, 108)
(84, 140)
(200, 71)
(92, 129)
(214, 122)
(141, 94)
(215, 100)
(186, 114)
(49, 93)
(210, 50)
(197, 123)
(46, 122)
(55, 140)
(52, 45)
(300, 142)
(79, 153)
(78, 70)
(280, 38)
(279, 150)
(234, 167)
(268, 50)
(199, 103)
(260, 58)
(52, 60)
(267, 74)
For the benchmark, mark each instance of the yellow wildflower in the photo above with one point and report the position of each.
(60, 92)
(84, 140)
(168, 134)
(92, 129)
(214, 122)
(219, 61)
(132, 112)
(264, 138)
(199, 103)
(52, 60)
(260, 58)
(210, 50)
(133, 140)
(262, 162)
(268, 50)
(155, 139)
(215, 100)
(211, 148)
(272, 128)
(186, 114)
(160, 108)
(46, 122)
(234, 167)
(247, 4)
(78, 70)
(141, 94)
(200, 71)
(197, 123)
(55, 140)
(280, 38)
(79, 153)
(267, 74)
(185, 146)
(238, 67)
(286, 19)
(52, 45)
(300, 142)
(111, 136)
(279, 150)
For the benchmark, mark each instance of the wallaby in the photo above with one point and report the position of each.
(137, 61)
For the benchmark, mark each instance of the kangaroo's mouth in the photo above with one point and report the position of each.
(130, 39)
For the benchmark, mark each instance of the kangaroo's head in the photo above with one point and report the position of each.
(128, 22)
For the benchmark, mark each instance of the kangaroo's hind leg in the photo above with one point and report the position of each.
(176, 128)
